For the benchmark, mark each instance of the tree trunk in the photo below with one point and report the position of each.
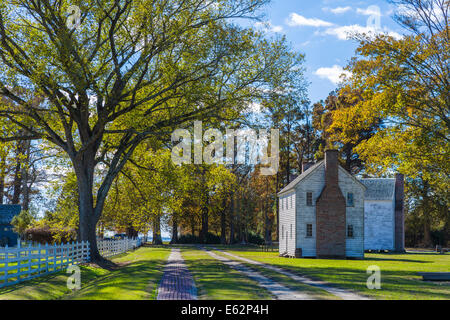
(89, 216)
(426, 212)
(25, 169)
(174, 231)
(231, 217)
(2, 178)
(17, 183)
(205, 219)
(268, 232)
(192, 226)
(427, 234)
(268, 225)
(223, 227)
(157, 240)
(131, 232)
(204, 231)
(288, 163)
(204, 207)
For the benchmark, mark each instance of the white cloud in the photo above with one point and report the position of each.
(296, 20)
(370, 11)
(333, 74)
(346, 32)
(276, 29)
(338, 10)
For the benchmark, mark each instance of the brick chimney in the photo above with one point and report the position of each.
(330, 212)
(399, 213)
(331, 168)
(306, 165)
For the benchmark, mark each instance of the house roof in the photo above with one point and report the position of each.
(379, 189)
(7, 212)
(292, 185)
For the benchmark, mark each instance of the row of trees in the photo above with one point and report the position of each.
(102, 101)
(129, 72)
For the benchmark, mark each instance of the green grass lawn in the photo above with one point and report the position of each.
(137, 278)
(217, 281)
(140, 272)
(314, 292)
(399, 279)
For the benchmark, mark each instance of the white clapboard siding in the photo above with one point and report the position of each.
(379, 224)
(287, 239)
(354, 214)
(20, 264)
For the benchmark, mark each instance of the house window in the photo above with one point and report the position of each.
(282, 232)
(282, 204)
(309, 231)
(309, 201)
(292, 197)
(291, 231)
(350, 200)
(350, 233)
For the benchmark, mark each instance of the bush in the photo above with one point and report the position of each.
(255, 238)
(193, 239)
(188, 239)
(212, 239)
(44, 234)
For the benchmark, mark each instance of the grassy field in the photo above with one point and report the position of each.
(136, 278)
(139, 274)
(314, 292)
(217, 281)
(399, 279)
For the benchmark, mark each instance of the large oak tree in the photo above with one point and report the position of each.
(130, 70)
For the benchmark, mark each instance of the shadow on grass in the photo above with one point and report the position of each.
(134, 276)
(394, 260)
(395, 284)
(215, 280)
(137, 280)
(51, 286)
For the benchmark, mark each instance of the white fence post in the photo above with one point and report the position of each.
(24, 263)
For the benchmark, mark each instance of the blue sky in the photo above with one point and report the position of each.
(319, 29)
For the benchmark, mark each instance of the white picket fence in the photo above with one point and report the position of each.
(19, 264)
(109, 248)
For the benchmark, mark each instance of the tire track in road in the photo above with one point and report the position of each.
(279, 291)
(341, 293)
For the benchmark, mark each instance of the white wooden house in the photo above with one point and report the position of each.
(327, 212)
(322, 213)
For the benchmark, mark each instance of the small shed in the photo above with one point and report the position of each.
(383, 214)
(7, 234)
